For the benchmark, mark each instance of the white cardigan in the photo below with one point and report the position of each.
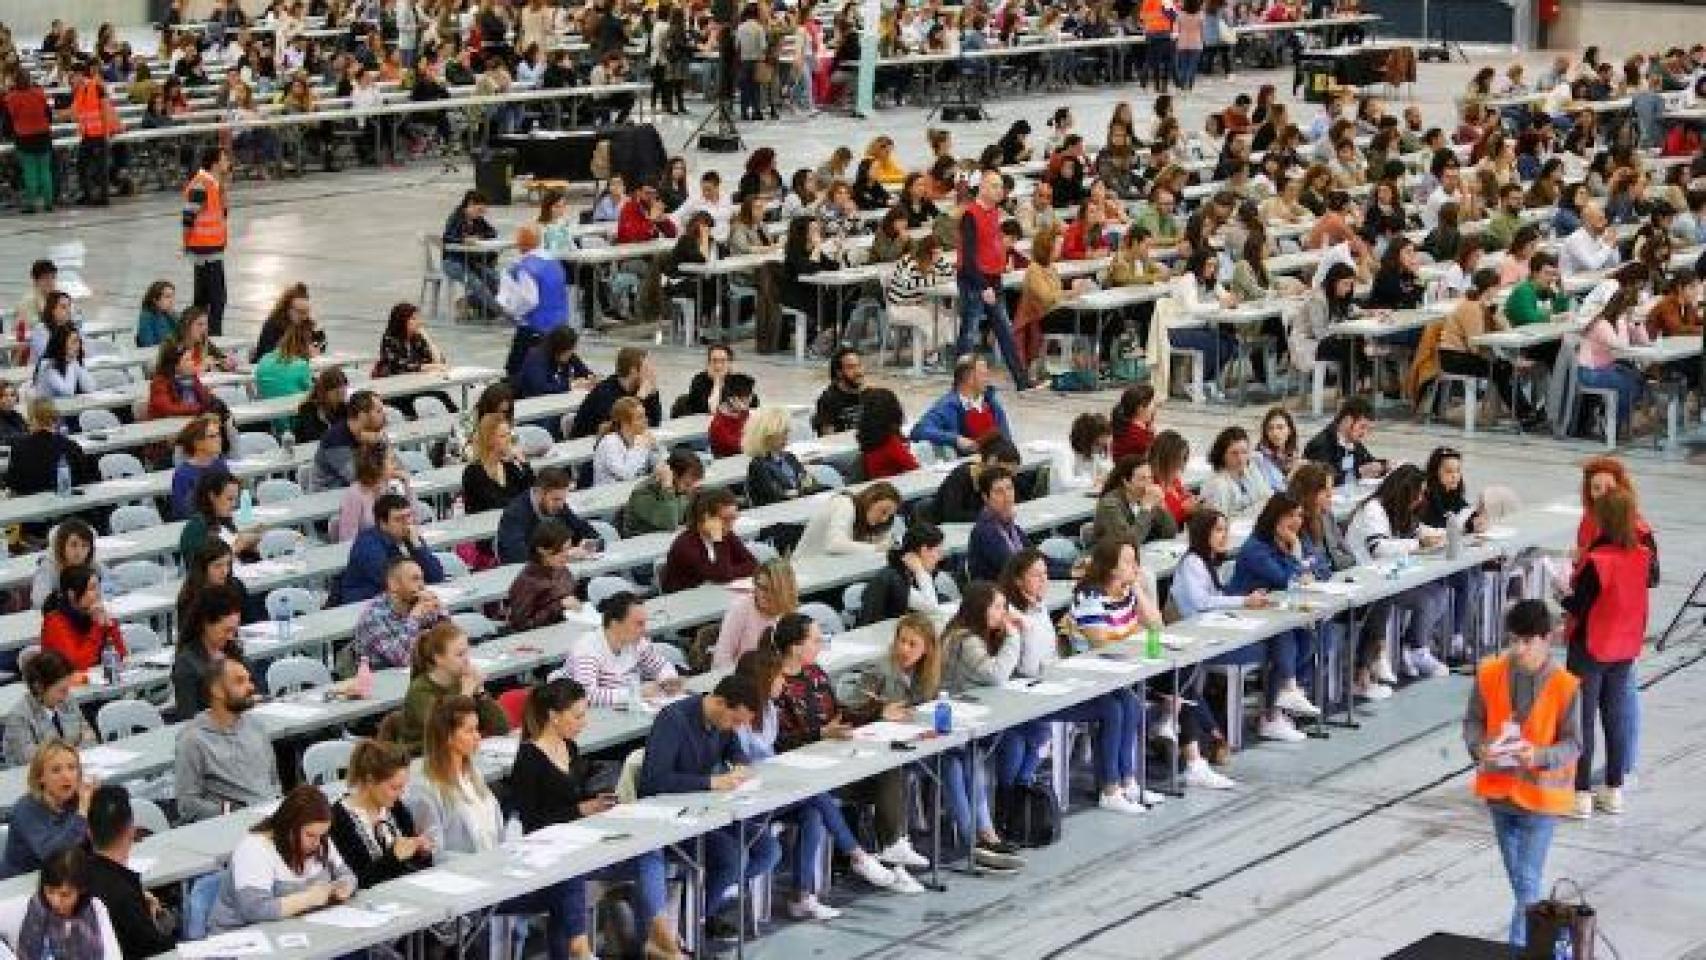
(1370, 535)
(830, 531)
(613, 461)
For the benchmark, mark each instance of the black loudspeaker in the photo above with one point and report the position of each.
(719, 143)
(492, 172)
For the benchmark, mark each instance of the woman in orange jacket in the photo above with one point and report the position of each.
(176, 389)
(75, 621)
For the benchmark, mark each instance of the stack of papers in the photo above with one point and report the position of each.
(1223, 620)
(804, 761)
(284, 710)
(1042, 688)
(347, 917)
(1333, 588)
(250, 942)
(650, 811)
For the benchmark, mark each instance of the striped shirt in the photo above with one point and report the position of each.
(606, 673)
(1095, 610)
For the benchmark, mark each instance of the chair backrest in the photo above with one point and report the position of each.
(476, 625)
(946, 587)
(1061, 553)
(292, 602)
(430, 406)
(414, 461)
(139, 638)
(277, 490)
(424, 513)
(534, 440)
(601, 588)
(232, 396)
(826, 475)
(430, 254)
(455, 568)
(824, 616)
(256, 445)
(280, 542)
(97, 418)
(138, 575)
(134, 516)
(394, 417)
(606, 531)
(291, 674)
(116, 465)
(327, 761)
(762, 552)
(852, 601)
(126, 718)
(148, 816)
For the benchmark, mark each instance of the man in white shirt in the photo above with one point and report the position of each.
(610, 661)
(709, 200)
(381, 132)
(1450, 190)
(1592, 247)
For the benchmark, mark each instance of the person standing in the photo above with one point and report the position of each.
(982, 260)
(30, 118)
(1523, 729)
(205, 234)
(91, 108)
(536, 293)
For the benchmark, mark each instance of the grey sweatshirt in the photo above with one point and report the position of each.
(217, 768)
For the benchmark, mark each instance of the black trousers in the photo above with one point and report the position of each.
(1602, 697)
(210, 293)
(94, 168)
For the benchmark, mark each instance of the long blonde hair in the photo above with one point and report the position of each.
(927, 675)
(763, 427)
(38, 765)
(486, 433)
(776, 579)
(438, 763)
(624, 410)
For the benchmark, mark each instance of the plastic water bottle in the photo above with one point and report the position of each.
(634, 698)
(110, 663)
(62, 478)
(287, 444)
(245, 510)
(1152, 643)
(282, 625)
(1563, 948)
(364, 679)
(944, 715)
(1454, 536)
(458, 508)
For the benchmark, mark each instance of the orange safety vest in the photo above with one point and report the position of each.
(87, 106)
(204, 224)
(1155, 18)
(1537, 791)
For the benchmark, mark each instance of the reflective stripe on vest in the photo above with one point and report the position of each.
(1617, 621)
(1155, 18)
(205, 232)
(1538, 791)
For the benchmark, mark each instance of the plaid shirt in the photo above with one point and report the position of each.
(387, 638)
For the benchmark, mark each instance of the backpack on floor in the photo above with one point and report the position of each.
(1027, 814)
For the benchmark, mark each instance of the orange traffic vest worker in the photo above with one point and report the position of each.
(1523, 729)
(205, 234)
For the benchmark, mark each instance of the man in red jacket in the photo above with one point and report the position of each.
(978, 275)
(643, 217)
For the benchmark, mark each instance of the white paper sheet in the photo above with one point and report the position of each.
(1222, 620)
(803, 761)
(1099, 665)
(565, 836)
(887, 730)
(131, 604)
(1333, 588)
(347, 918)
(289, 711)
(1042, 688)
(107, 756)
(962, 711)
(646, 811)
(238, 943)
(445, 882)
(1499, 533)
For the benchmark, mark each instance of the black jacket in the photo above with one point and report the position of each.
(371, 870)
(956, 499)
(601, 399)
(120, 888)
(1324, 449)
(886, 594)
(35, 462)
(837, 410)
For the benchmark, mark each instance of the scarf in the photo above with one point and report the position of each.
(46, 933)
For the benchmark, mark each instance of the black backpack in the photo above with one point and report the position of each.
(1027, 814)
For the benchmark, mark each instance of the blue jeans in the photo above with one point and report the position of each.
(480, 281)
(1187, 64)
(1464, 586)
(1605, 701)
(1118, 717)
(1523, 840)
(1020, 753)
(818, 818)
(564, 907)
(1291, 657)
(722, 863)
(1426, 606)
(974, 313)
(646, 871)
(1624, 380)
(1217, 346)
(956, 792)
(1158, 59)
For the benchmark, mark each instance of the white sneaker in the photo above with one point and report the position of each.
(1292, 701)
(1200, 774)
(1167, 729)
(1279, 728)
(1584, 805)
(872, 872)
(1147, 797)
(807, 907)
(1118, 803)
(901, 854)
(1373, 690)
(1609, 800)
(1381, 671)
(1425, 664)
(904, 883)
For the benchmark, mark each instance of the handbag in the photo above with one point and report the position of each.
(1027, 814)
(1560, 928)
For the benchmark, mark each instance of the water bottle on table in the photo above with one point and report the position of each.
(62, 478)
(944, 714)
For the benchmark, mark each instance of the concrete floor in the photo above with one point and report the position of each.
(1349, 848)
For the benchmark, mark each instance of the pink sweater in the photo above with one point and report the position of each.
(355, 512)
(1601, 336)
(1189, 28)
(741, 629)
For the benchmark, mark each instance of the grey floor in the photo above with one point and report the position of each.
(1348, 848)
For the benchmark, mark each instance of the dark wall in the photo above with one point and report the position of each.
(1469, 21)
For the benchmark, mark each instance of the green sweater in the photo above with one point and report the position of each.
(418, 703)
(653, 508)
(1501, 228)
(1524, 306)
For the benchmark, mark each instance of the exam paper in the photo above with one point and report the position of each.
(347, 918)
(568, 836)
(803, 761)
(647, 811)
(238, 943)
(1099, 665)
(886, 730)
(1334, 588)
(1041, 688)
(107, 756)
(445, 882)
(1228, 621)
(288, 711)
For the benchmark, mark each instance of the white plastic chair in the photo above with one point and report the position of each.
(476, 625)
(826, 475)
(148, 816)
(454, 566)
(394, 418)
(97, 418)
(824, 616)
(946, 588)
(275, 490)
(606, 531)
(852, 601)
(139, 638)
(1061, 552)
(327, 761)
(292, 602)
(138, 575)
(534, 440)
(427, 407)
(281, 542)
(232, 396)
(135, 516)
(414, 461)
(251, 445)
(116, 466)
(292, 674)
(118, 719)
(762, 552)
(602, 588)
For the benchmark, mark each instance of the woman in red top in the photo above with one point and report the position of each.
(1601, 476)
(31, 120)
(883, 451)
(1167, 459)
(176, 389)
(707, 550)
(728, 421)
(75, 621)
(1133, 423)
(1084, 238)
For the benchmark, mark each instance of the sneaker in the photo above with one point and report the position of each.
(1373, 690)
(994, 860)
(901, 854)
(807, 907)
(1407, 664)
(872, 872)
(1381, 671)
(1167, 729)
(1584, 806)
(1426, 665)
(904, 883)
(1145, 796)
(1293, 701)
(1609, 800)
(1118, 802)
(1279, 728)
(1200, 774)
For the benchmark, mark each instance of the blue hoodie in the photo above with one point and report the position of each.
(945, 422)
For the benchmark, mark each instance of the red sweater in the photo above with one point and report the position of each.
(890, 458)
(690, 563)
(82, 648)
(1133, 441)
(29, 111)
(1176, 499)
(725, 432)
(634, 226)
(164, 401)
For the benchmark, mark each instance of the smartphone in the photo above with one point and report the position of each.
(901, 746)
